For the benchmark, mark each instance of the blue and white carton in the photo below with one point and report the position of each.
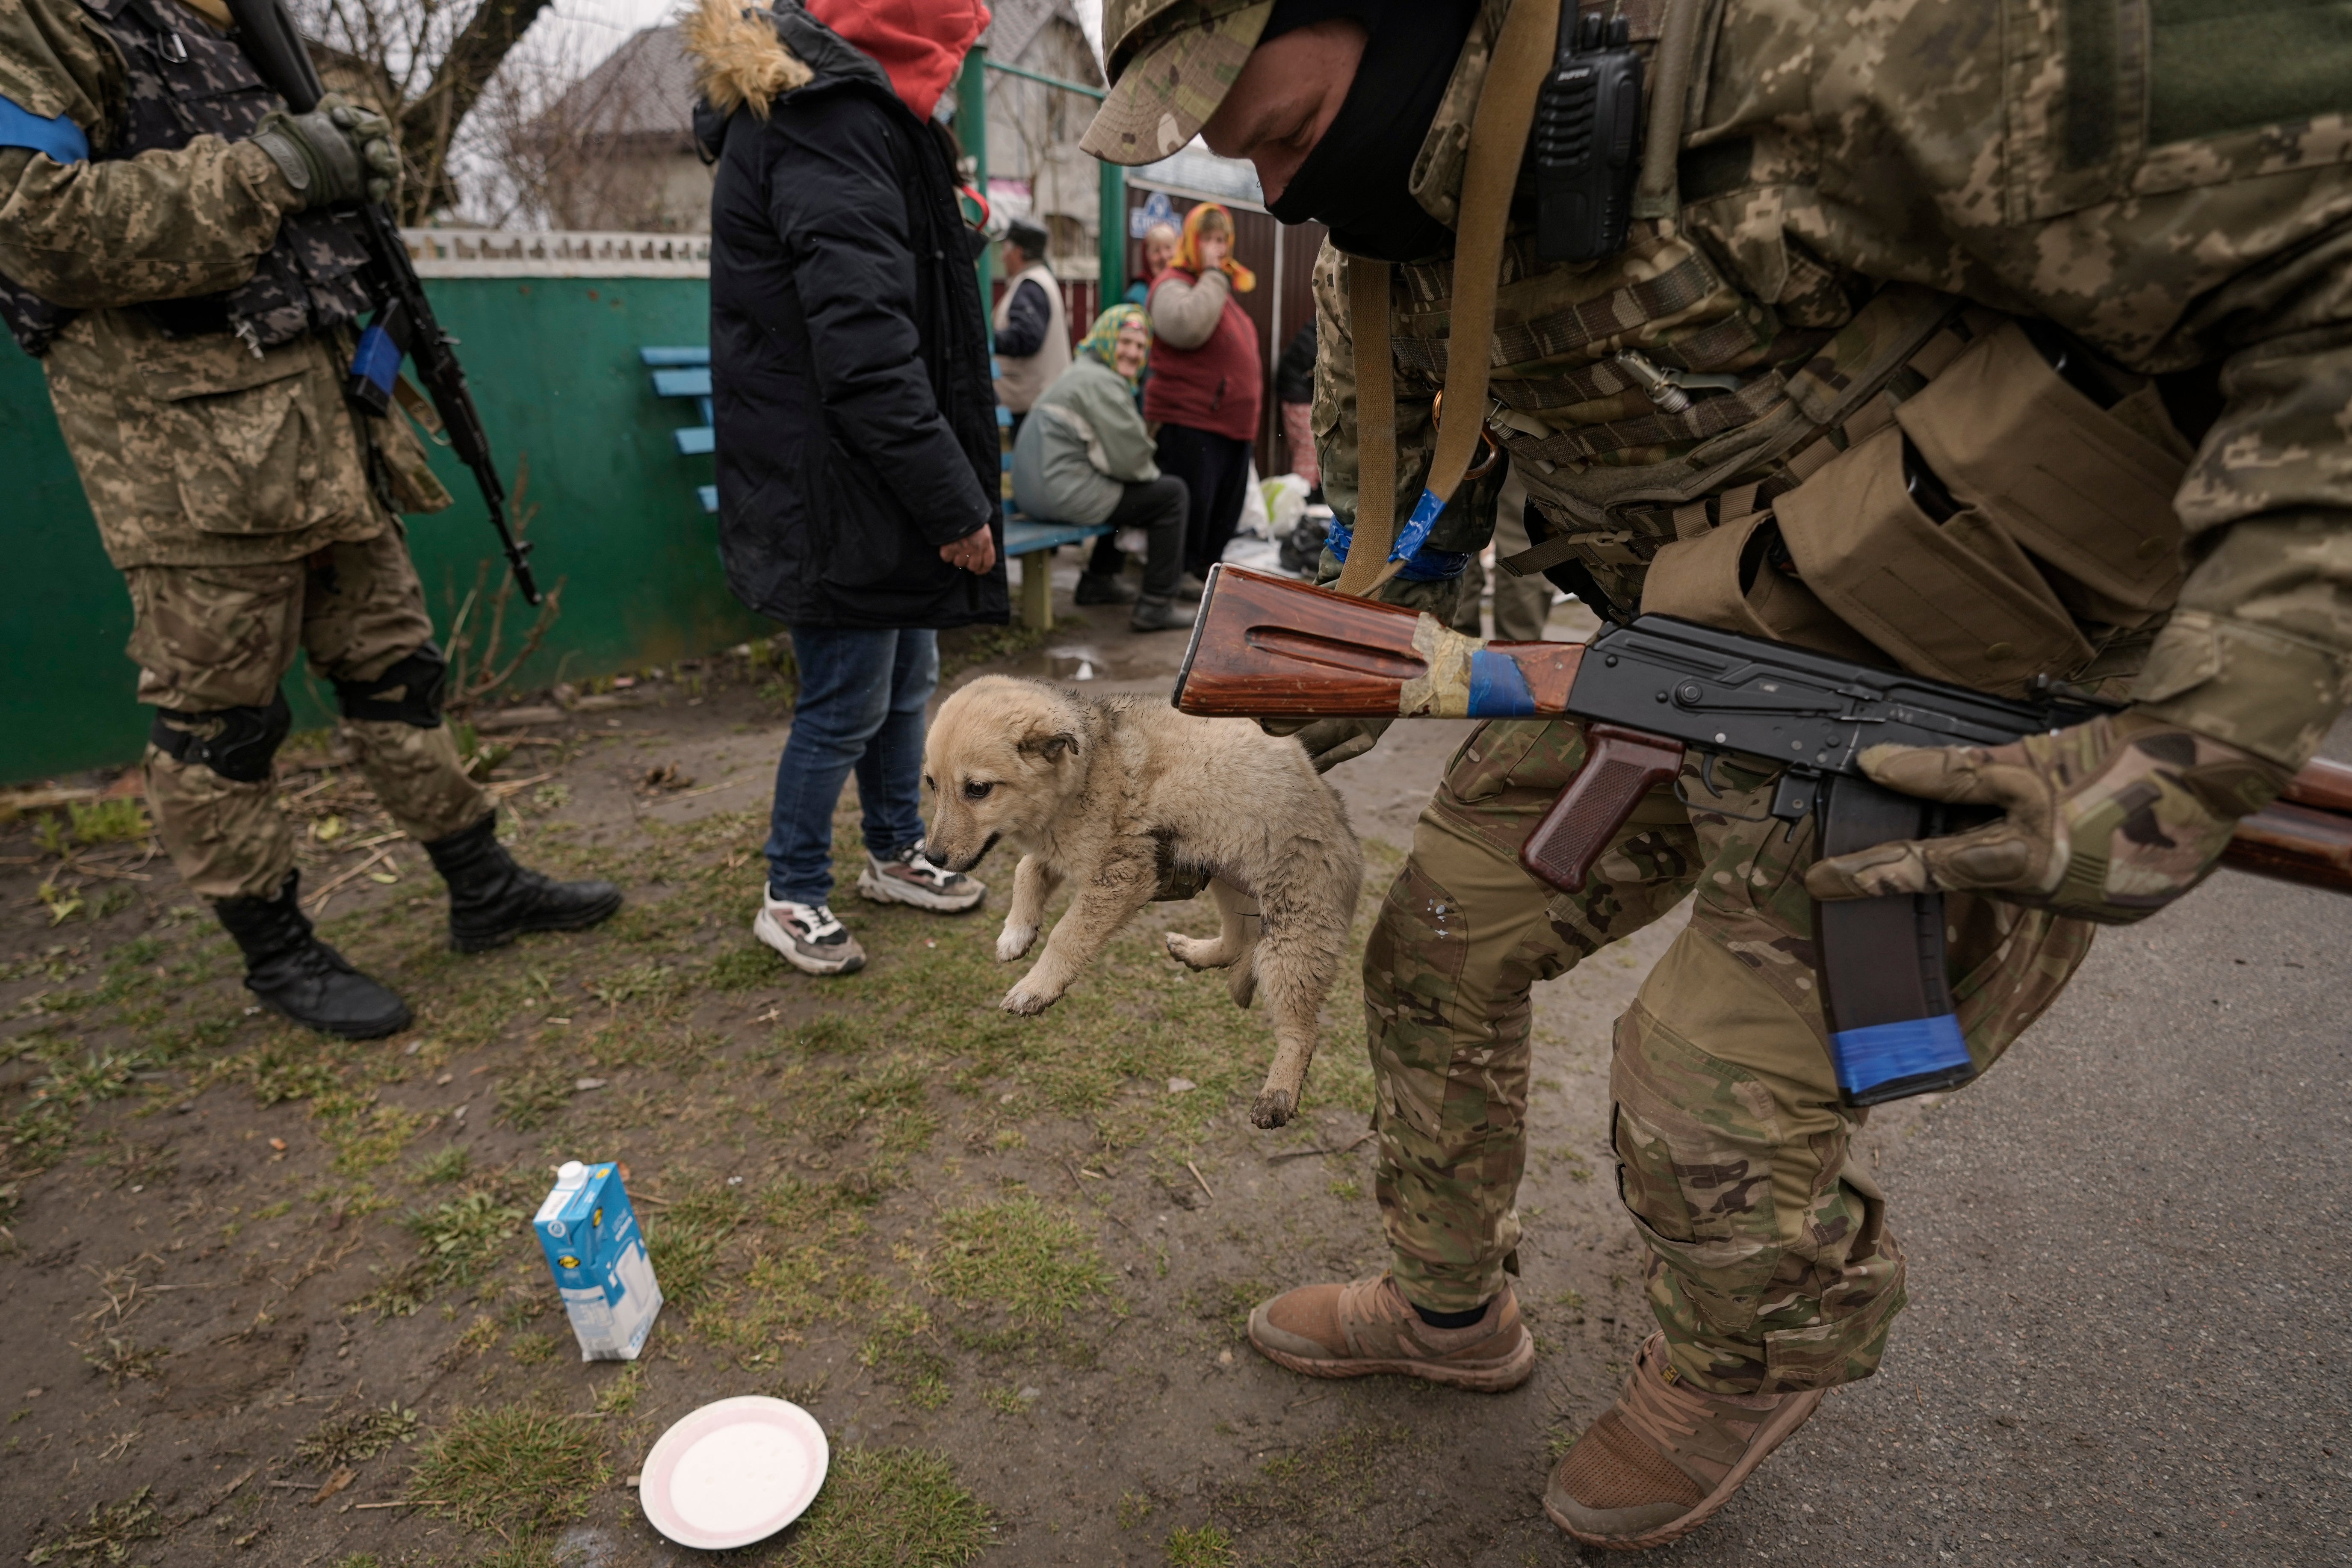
(597, 1254)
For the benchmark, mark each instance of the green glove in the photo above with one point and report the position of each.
(1331, 742)
(337, 155)
(2110, 820)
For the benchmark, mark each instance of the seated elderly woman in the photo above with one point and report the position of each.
(1084, 456)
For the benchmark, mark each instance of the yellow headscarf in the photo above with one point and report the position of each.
(1188, 247)
(1101, 340)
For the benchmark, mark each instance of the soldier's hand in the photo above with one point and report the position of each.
(1331, 742)
(2110, 820)
(337, 154)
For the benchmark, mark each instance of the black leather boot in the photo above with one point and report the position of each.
(492, 900)
(289, 968)
(1102, 588)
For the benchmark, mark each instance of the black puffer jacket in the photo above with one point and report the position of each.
(855, 417)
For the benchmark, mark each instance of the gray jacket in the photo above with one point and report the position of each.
(1082, 442)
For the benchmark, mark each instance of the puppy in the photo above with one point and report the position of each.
(1121, 793)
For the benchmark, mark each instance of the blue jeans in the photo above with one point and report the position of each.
(861, 706)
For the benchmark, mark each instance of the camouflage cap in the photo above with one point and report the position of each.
(1174, 79)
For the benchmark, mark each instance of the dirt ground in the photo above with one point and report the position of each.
(273, 1301)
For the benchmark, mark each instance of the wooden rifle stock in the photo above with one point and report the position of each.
(1267, 647)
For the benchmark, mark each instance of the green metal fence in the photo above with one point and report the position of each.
(553, 362)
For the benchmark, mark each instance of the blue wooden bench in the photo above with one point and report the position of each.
(1033, 541)
(686, 373)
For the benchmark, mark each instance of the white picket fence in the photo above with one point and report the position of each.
(513, 253)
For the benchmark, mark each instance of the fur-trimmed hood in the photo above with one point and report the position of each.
(745, 57)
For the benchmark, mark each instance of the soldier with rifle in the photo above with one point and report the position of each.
(2007, 348)
(191, 261)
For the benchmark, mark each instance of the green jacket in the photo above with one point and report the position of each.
(1978, 149)
(1082, 442)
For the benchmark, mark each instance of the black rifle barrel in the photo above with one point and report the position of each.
(266, 34)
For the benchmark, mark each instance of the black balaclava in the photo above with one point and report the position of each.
(1358, 178)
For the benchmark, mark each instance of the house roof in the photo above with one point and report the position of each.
(644, 87)
(1014, 25)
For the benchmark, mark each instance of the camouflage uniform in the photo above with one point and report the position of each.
(1959, 151)
(195, 326)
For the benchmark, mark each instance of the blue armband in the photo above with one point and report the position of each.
(60, 138)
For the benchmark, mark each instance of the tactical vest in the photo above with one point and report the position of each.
(1905, 478)
(185, 81)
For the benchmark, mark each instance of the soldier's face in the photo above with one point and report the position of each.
(1284, 98)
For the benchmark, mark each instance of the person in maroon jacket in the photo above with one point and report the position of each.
(1203, 392)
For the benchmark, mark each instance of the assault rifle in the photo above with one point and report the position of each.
(1268, 646)
(405, 325)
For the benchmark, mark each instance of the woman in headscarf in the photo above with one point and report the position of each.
(1205, 379)
(1159, 250)
(1084, 456)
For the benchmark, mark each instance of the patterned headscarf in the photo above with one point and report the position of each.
(1102, 339)
(1188, 247)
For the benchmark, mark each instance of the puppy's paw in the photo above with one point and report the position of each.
(1029, 997)
(1014, 941)
(1274, 1108)
(1197, 952)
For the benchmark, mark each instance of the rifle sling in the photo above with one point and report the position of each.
(1498, 138)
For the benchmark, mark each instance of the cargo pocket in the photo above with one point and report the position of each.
(2074, 485)
(1958, 600)
(1694, 1140)
(254, 445)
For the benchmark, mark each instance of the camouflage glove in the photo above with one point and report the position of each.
(337, 154)
(2110, 820)
(1331, 742)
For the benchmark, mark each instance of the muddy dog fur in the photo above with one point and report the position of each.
(1120, 794)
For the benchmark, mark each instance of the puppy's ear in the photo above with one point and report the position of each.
(1052, 745)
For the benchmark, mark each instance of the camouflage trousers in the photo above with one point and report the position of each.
(1771, 1266)
(208, 637)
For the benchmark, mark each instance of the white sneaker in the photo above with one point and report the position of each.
(911, 876)
(809, 937)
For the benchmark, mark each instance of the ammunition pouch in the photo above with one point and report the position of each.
(2060, 524)
(239, 745)
(410, 691)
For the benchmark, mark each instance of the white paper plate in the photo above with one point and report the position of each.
(734, 1472)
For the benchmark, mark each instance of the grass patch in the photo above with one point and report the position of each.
(363, 1435)
(533, 1098)
(107, 1535)
(511, 1470)
(743, 968)
(445, 1166)
(684, 1237)
(1206, 1547)
(890, 1507)
(1018, 1257)
(456, 1241)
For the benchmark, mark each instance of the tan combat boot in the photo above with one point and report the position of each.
(1366, 1327)
(1665, 1457)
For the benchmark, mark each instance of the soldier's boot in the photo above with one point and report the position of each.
(1366, 1326)
(291, 969)
(493, 900)
(1662, 1460)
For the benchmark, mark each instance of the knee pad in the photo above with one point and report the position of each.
(410, 691)
(243, 742)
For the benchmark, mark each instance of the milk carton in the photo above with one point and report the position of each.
(598, 1256)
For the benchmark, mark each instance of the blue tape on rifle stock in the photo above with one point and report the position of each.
(377, 359)
(1498, 688)
(1421, 564)
(1883, 1053)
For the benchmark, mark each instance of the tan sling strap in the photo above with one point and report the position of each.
(1659, 192)
(1498, 139)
